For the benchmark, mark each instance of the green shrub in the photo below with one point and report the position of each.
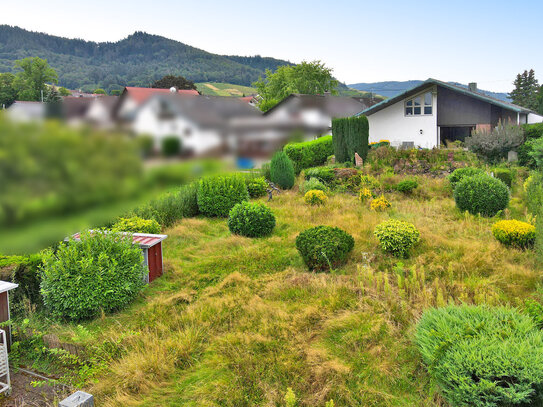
(146, 144)
(218, 194)
(315, 197)
(104, 271)
(170, 207)
(310, 153)
(324, 247)
(493, 145)
(323, 174)
(350, 135)
(397, 237)
(514, 233)
(536, 152)
(505, 175)
(136, 225)
(482, 356)
(481, 194)
(532, 132)
(24, 271)
(461, 173)
(265, 171)
(407, 185)
(282, 170)
(251, 220)
(256, 187)
(313, 184)
(171, 146)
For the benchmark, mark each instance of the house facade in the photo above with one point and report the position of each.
(437, 112)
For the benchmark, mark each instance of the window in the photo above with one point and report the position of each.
(419, 105)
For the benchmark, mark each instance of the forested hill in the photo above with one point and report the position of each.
(136, 60)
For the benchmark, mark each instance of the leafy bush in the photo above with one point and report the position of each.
(380, 143)
(323, 174)
(324, 247)
(310, 153)
(534, 192)
(251, 220)
(494, 145)
(481, 194)
(282, 170)
(397, 237)
(514, 233)
(407, 185)
(505, 175)
(482, 356)
(365, 194)
(146, 144)
(532, 132)
(24, 271)
(313, 184)
(350, 135)
(461, 173)
(315, 197)
(136, 225)
(171, 146)
(536, 152)
(369, 182)
(380, 204)
(170, 207)
(265, 171)
(104, 271)
(256, 187)
(218, 194)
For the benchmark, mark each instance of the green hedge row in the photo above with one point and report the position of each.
(350, 135)
(310, 153)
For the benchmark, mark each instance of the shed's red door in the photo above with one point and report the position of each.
(155, 261)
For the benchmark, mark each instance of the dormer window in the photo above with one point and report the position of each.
(419, 105)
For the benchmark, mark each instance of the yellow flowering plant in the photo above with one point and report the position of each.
(365, 194)
(315, 197)
(514, 233)
(380, 204)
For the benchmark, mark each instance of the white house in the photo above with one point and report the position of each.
(435, 111)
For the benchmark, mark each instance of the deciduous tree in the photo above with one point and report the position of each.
(8, 94)
(170, 80)
(31, 81)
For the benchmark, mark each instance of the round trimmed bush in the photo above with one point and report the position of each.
(257, 187)
(504, 174)
(323, 247)
(407, 185)
(397, 237)
(461, 173)
(313, 184)
(481, 194)
(136, 224)
(282, 170)
(251, 220)
(482, 356)
(514, 233)
(315, 197)
(218, 194)
(171, 146)
(104, 271)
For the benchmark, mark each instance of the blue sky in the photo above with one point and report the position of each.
(488, 42)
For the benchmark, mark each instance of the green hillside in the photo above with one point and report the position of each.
(137, 60)
(224, 89)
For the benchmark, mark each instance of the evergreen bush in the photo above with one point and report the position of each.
(104, 271)
(407, 185)
(481, 194)
(397, 237)
(310, 153)
(482, 356)
(505, 175)
(282, 170)
(324, 174)
(514, 233)
(251, 220)
(324, 247)
(461, 173)
(313, 184)
(171, 146)
(315, 197)
(218, 194)
(350, 135)
(136, 224)
(256, 187)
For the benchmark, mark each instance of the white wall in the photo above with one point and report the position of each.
(393, 125)
(534, 118)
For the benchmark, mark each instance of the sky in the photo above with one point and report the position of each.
(481, 41)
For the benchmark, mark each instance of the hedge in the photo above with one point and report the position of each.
(282, 170)
(310, 153)
(218, 194)
(350, 135)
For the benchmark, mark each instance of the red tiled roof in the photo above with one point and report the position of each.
(140, 95)
(142, 239)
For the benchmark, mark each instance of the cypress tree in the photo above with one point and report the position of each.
(350, 135)
(282, 170)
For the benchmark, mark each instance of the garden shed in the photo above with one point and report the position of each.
(5, 287)
(151, 246)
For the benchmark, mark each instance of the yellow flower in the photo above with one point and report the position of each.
(380, 204)
(365, 193)
(315, 197)
(514, 233)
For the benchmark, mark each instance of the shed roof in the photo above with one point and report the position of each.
(7, 286)
(144, 240)
(429, 82)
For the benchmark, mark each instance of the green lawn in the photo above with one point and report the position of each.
(224, 89)
(236, 321)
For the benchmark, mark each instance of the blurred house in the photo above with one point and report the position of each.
(26, 111)
(202, 123)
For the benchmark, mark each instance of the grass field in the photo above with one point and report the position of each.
(237, 321)
(224, 89)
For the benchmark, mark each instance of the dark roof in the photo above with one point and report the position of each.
(334, 106)
(431, 82)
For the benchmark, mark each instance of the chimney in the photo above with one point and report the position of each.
(472, 86)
